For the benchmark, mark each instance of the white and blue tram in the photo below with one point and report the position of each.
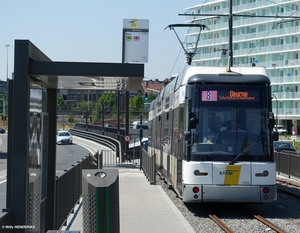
(198, 150)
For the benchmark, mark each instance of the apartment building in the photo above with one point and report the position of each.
(267, 35)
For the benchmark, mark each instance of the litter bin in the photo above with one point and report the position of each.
(100, 200)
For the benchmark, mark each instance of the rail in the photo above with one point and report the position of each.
(112, 132)
(137, 156)
(116, 157)
(109, 142)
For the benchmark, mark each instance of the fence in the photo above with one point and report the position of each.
(68, 190)
(148, 164)
(107, 141)
(68, 193)
(69, 183)
(113, 133)
(116, 157)
(288, 162)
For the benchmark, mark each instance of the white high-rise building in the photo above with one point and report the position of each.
(272, 42)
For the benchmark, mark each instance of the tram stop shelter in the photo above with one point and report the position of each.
(32, 122)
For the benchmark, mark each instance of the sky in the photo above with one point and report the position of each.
(91, 31)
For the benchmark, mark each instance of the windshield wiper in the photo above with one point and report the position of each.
(247, 149)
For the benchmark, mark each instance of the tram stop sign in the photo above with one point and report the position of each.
(127, 138)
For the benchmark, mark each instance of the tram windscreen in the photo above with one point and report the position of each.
(230, 118)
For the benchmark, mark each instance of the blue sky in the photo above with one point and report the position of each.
(91, 31)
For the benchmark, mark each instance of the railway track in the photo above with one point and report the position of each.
(289, 187)
(266, 222)
(244, 210)
(217, 220)
(222, 217)
(288, 182)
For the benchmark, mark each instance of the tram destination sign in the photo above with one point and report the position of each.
(230, 95)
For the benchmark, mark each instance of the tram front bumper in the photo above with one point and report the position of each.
(232, 193)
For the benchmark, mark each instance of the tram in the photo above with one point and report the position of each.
(211, 129)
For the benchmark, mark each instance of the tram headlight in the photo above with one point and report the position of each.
(265, 173)
(262, 174)
(196, 172)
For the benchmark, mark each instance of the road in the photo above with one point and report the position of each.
(66, 156)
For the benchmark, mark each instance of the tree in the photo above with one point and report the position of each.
(107, 99)
(136, 103)
(84, 106)
(71, 118)
(60, 103)
(151, 97)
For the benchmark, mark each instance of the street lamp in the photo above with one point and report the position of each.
(7, 45)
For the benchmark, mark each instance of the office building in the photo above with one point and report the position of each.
(264, 33)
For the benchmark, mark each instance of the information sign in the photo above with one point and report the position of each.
(135, 40)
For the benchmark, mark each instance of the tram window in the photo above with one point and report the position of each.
(193, 120)
(232, 137)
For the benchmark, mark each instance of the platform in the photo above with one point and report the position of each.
(143, 208)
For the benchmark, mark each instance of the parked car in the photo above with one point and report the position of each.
(280, 129)
(2, 131)
(281, 146)
(63, 137)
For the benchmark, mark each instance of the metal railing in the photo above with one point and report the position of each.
(67, 195)
(69, 182)
(68, 190)
(112, 132)
(109, 142)
(128, 158)
(109, 158)
(288, 162)
(148, 164)
(5, 221)
(116, 157)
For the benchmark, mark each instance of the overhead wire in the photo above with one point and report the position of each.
(180, 50)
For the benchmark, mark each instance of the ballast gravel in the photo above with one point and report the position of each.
(284, 213)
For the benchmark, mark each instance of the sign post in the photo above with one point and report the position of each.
(294, 137)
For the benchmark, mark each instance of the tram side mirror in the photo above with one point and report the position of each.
(187, 136)
(193, 120)
(271, 120)
(275, 135)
